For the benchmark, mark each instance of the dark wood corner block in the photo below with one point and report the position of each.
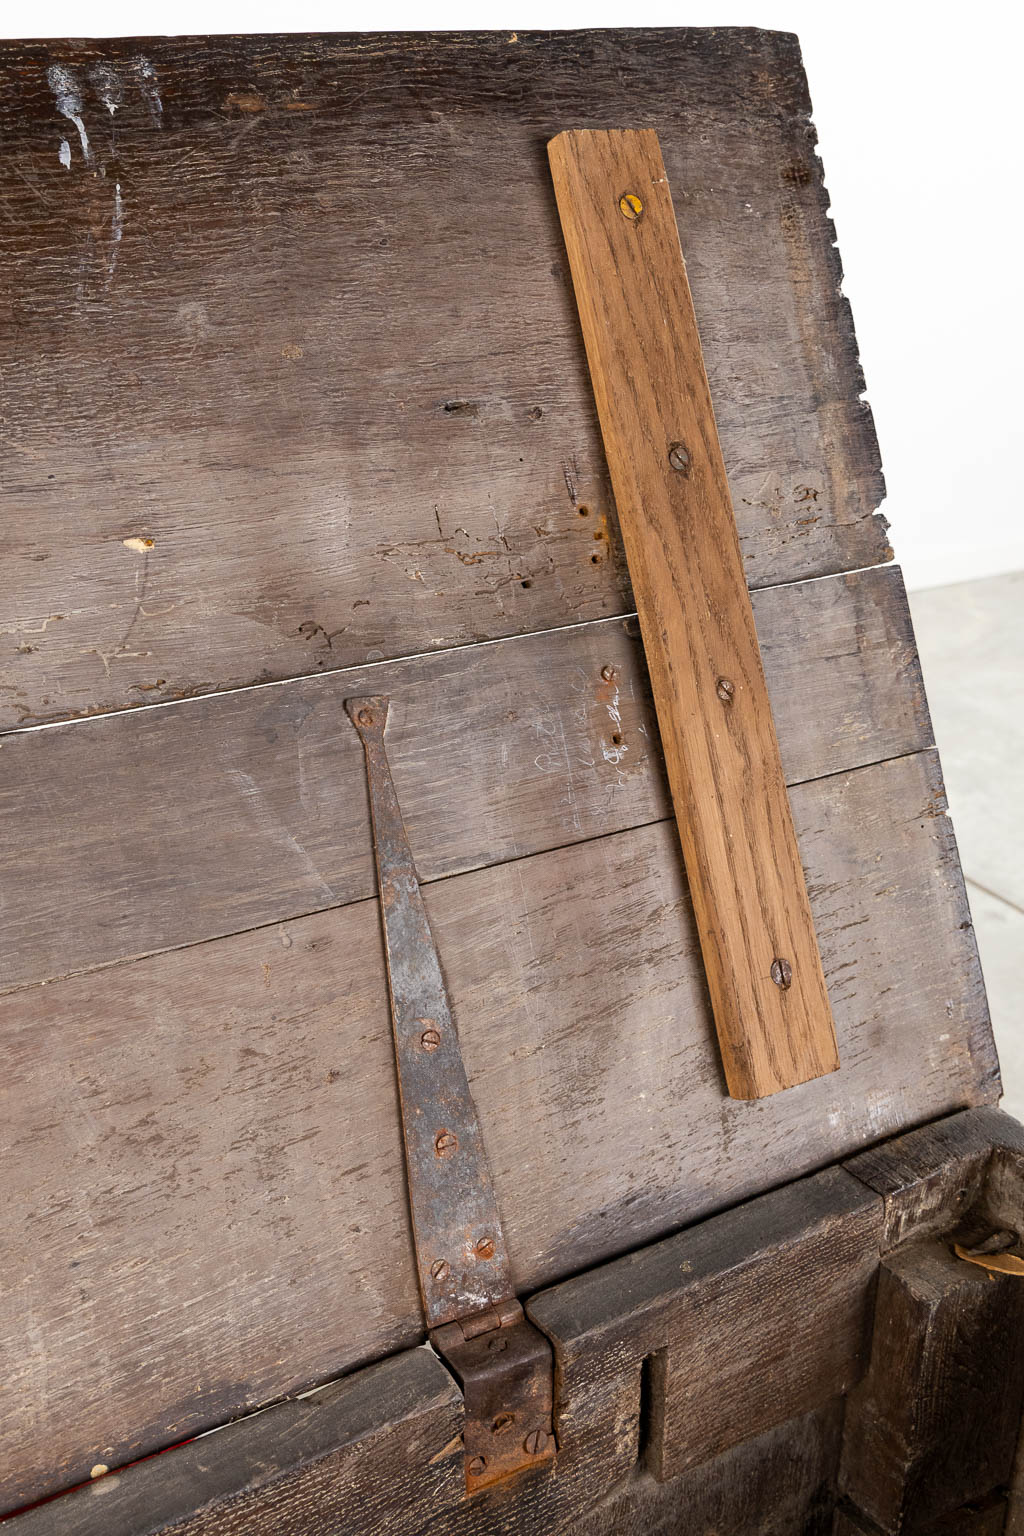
(934, 1424)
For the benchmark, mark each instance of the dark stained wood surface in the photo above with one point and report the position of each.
(761, 957)
(774, 1484)
(208, 1139)
(293, 377)
(969, 1153)
(934, 1424)
(255, 804)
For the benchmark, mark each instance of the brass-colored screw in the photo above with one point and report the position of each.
(725, 690)
(440, 1269)
(445, 1143)
(430, 1039)
(630, 206)
(607, 673)
(679, 457)
(485, 1248)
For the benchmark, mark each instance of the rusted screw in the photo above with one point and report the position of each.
(485, 1248)
(478, 1466)
(678, 457)
(430, 1039)
(440, 1269)
(630, 206)
(445, 1143)
(365, 717)
(725, 690)
(782, 973)
(502, 1422)
(607, 673)
(536, 1442)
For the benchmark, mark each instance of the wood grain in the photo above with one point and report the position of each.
(333, 370)
(381, 1449)
(773, 1484)
(255, 803)
(764, 971)
(934, 1424)
(208, 1139)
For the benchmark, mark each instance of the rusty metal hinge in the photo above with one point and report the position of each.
(503, 1363)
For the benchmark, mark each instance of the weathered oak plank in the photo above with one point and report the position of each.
(208, 1140)
(255, 803)
(319, 1465)
(335, 377)
(715, 721)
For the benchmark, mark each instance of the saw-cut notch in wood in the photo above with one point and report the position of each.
(747, 884)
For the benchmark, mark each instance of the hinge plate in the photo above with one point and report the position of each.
(507, 1376)
(503, 1363)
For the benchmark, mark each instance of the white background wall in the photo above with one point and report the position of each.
(918, 112)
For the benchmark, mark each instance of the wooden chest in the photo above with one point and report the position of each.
(296, 409)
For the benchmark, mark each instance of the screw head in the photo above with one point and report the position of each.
(607, 673)
(430, 1039)
(485, 1248)
(502, 1422)
(536, 1442)
(679, 457)
(478, 1466)
(440, 1269)
(364, 717)
(630, 206)
(725, 690)
(445, 1143)
(781, 973)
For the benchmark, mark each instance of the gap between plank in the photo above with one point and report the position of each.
(455, 874)
(388, 661)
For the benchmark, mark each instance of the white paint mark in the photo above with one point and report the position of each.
(139, 546)
(68, 96)
(116, 230)
(64, 154)
(149, 90)
(106, 85)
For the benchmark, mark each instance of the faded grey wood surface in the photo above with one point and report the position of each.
(381, 1450)
(208, 1139)
(255, 804)
(292, 367)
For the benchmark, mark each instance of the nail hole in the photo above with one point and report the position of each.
(595, 559)
(583, 511)
(616, 740)
(526, 583)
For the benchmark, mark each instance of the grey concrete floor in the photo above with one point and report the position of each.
(971, 640)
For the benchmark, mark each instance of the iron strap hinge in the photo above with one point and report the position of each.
(502, 1362)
